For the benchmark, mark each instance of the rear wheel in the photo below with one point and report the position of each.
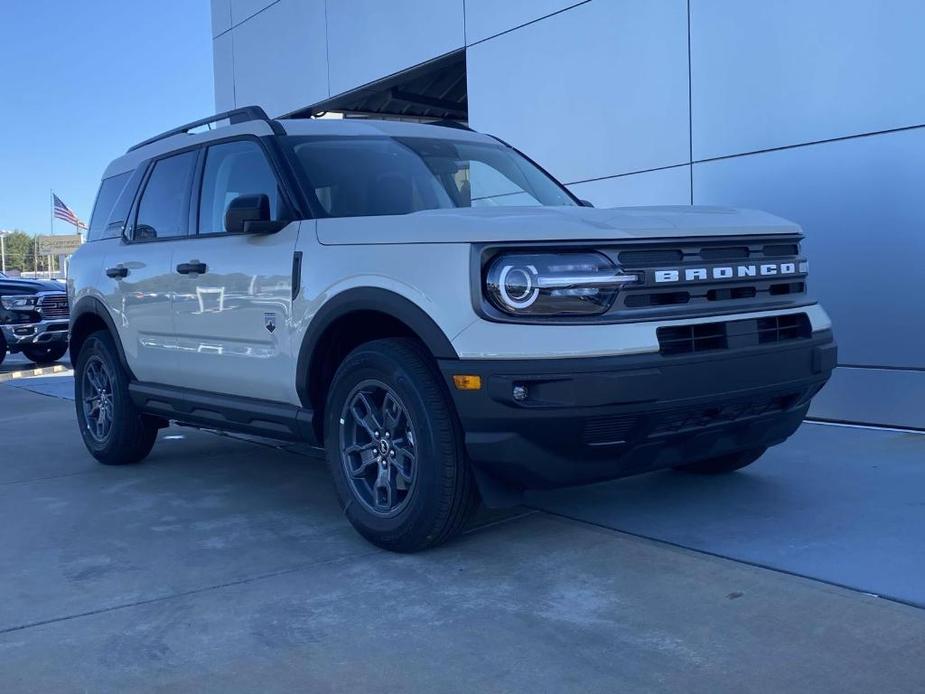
(724, 463)
(113, 429)
(394, 448)
(45, 354)
(3, 348)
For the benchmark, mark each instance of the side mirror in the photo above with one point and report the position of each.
(250, 214)
(143, 232)
(586, 203)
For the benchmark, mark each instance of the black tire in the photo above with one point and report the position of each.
(723, 463)
(131, 434)
(45, 354)
(442, 494)
(3, 347)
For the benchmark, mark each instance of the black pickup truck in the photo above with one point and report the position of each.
(33, 319)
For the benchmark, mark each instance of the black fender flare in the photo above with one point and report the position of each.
(368, 299)
(93, 305)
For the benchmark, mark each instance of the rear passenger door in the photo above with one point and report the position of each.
(233, 319)
(139, 279)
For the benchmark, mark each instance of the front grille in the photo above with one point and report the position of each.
(708, 337)
(54, 306)
(699, 416)
(710, 275)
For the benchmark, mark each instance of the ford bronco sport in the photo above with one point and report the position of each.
(433, 309)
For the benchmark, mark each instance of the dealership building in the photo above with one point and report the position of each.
(810, 109)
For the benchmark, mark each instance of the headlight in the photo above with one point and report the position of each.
(19, 302)
(554, 284)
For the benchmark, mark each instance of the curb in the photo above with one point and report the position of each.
(29, 373)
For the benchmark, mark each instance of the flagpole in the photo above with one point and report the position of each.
(51, 224)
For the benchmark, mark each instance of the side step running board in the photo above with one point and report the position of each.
(227, 412)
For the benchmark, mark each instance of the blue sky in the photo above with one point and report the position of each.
(81, 81)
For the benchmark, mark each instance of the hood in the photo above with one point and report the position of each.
(20, 286)
(497, 224)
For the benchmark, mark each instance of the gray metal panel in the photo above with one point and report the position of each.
(241, 10)
(663, 187)
(874, 396)
(223, 70)
(280, 58)
(770, 74)
(860, 204)
(221, 16)
(370, 39)
(595, 91)
(486, 18)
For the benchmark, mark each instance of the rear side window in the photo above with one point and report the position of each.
(164, 208)
(109, 192)
(233, 169)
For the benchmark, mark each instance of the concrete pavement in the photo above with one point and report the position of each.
(225, 565)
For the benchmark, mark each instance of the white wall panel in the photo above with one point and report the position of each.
(280, 59)
(243, 9)
(223, 69)
(770, 74)
(370, 39)
(663, 187)
(485, 18)
(221, 16)
(860, 203)
(598, 90)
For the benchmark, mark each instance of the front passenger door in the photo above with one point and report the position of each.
(233, 318)
(139, 277)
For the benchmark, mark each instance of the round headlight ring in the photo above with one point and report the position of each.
(525, 293)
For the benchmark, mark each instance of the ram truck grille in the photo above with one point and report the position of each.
(53, 306)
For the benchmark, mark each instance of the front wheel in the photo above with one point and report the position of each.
(394, 448)
(113, 429)
(723, 463)
(45, 354)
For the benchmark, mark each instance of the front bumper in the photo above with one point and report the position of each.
(19, 335)
(591, 419)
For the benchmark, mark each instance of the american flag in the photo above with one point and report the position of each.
(64, 212)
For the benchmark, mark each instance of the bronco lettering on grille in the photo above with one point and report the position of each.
(724, 272)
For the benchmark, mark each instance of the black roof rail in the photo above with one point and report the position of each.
(237, 115)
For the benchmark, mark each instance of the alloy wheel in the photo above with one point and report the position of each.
(97, 399)
(377, 445)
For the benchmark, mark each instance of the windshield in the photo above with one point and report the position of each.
(360, 176)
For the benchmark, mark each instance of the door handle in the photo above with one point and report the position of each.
(117, 272)
(191, 268)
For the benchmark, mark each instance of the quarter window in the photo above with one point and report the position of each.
(105, 201)
(162, 212)
(233, 169)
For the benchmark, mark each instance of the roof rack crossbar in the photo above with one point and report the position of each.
(237, 115)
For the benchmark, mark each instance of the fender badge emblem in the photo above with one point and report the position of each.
(269, 320)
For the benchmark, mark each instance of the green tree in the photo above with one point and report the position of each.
(20, 249)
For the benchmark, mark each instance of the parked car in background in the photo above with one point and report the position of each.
(33, 319)
(435, 310)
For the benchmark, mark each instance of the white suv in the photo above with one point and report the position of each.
(436, 311)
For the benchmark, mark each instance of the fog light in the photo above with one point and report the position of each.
(24, 331)
(520, 393)
(467, 382)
